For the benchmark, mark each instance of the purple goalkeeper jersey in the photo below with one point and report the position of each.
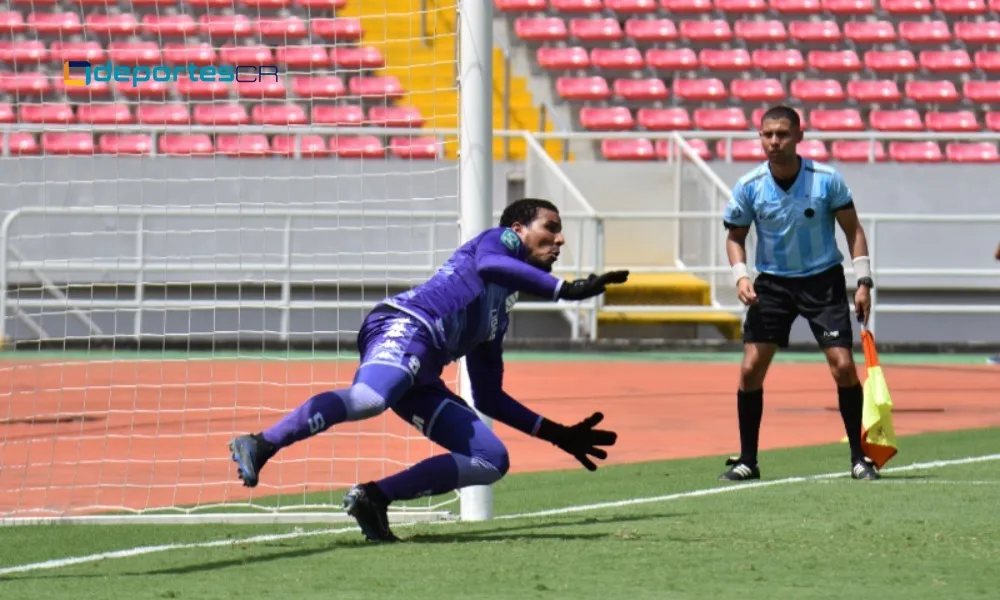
(466, 303)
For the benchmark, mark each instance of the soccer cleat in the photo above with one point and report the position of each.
(865, 469)
(372, 515)
(739, 471)
(251, 453)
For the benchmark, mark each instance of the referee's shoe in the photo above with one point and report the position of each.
(739, 471)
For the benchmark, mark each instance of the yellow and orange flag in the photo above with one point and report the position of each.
(878, 438)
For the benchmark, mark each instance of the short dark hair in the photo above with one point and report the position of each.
(783, 112)
(524, 211)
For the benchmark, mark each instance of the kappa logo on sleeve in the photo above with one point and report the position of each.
(510, 239)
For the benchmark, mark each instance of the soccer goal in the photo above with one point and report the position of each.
(186, 258)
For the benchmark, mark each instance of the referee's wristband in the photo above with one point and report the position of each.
(740, 271)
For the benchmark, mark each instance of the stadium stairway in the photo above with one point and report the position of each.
(680, 289)
(428, 70)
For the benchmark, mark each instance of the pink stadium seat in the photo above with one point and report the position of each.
(906, 119)
(664, 149)
(857, 151)
(891, 61)
(663, 119)
(778, 61)
(962, 120)
(125, 144)
(561, 59)
(415, 148)
(198, 89)
(691, 7)
(976, 152)
(224, 26)
(220, 114)
(946, 61)
(675, 59)
(640, 149)
(185, 144)
(717, 59)
(972, 32)
(924, 32)
(614, 118)
(62, 24)
(206, 4)
(339, 29)
(715, 31)
(22, 52)
(797, 7)
(301, 57)
(21, 144)
(583, 88)
(67, 143)
(58, 113)
(281, 29)
(395, 116)
(181, 54)
(700, 90)
(278, 114)
(720, 119)
(321, 86)
(348, 115)
(266, 4)
(821, 90)
(576, 6)
(25, 83)
(253, 54)
(985, 92)
(847, 119)
(882, 90)
(516, 6)
(742, 150)
(870, 32)
(961, 8)
(596, 30)
(541, 29)
(12, 23)
(760, 32)
(915, 152)
(745, 7)
(367, 146)
(61, 51)
(375, 87)
(96, 91)
(250, 144)
(7, 113)
(815, 31)
(617, 59)
(932, 91)
(122, 24)
(162, 114)
(993, 120)
(167, 26)
(102, 114)
(134, 53)
(328, 6)
(757, 90)
(310, 146)
(640, 89)
(835, 61)
(814, 149)
(907, 7)
(354, 58)
(987, 61)
(758, 114)
(848, 8)
(631, 7)
(653, 31)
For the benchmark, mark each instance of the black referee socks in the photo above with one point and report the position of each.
(750, 408)
(851, 402)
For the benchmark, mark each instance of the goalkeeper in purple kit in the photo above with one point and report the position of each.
(406, 342)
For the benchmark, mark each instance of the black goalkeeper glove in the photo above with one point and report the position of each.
(581, 289)
(580, 440)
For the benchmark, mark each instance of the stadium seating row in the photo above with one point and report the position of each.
(53, 23)
(896, 8)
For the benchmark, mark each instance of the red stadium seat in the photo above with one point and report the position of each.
(665, 149)
(345, 116)
(281, 29)
(199, 89)
(652, 31)
(663, 119)
(395, 116)
(354, 58)
(321, 86)
(946, 61)
(679, 59)
(745, 7)
(97, 90)
(631, 7)
(63, 51)
(993, 120)
(640, 89)
(932, 91)
(542, 29)
(720, 119)
(320, 5)
(61, 24)
(848, 8)
(250, 144)
(778, 61)
(25, 83)
(757, 90)
(109, 25)
(835, 61)
(907, 7)
(847, 119)
(690, 7)
(797, 7)
(7, 113)
(224, 26)
(961, 8)
(985, 92)
(977, 33)
(300, 57)
(266, 4)
(167, 26)
(716, 59)
(67, 143)
(220, 114)
(822, 90)
(987, 61)
(22, 53)
(715, 31)
(815, 31)
(561, 59)
(857, 151)
(582, 88)
(617, 59)
(21, 144)
(102, 114)
(185, 144)
(340, 29)
(367, 146)
(415, 148)
(310, 146)
(962, 120)
(596, 30)
(135, 53)
(162, 114)
(577, 6)
(976, 152)
(206, 4)
(700, 90)
(924, 32)
(375, 87)
(253, 54)
(760, 32)
(870, 32)
(883, 90)
(12, 23)
(640, 149)
(742, 150)
(125, 144)
(46, 113)
(278, 114)
(906, 119)
(915, 152)
(516, 6)
(891, 61)
(814, 149)
(182, 54)
(614, 118)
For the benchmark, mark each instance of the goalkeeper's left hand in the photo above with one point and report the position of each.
(594, 285)
(580, 440)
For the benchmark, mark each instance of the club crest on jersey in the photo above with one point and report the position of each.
(510, 239)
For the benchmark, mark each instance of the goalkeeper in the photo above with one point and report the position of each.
(406, 342)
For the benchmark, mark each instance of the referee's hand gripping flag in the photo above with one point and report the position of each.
(878, 438)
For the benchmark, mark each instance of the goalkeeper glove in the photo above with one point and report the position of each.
(581, 289)
(580, 440)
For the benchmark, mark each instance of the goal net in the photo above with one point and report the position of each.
(202, 200)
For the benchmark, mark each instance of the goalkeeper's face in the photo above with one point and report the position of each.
(543, 238)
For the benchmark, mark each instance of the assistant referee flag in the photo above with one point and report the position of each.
(878, 438)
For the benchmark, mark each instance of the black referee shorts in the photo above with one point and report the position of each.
(820, 298)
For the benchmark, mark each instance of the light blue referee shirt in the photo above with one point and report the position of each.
(796, 234)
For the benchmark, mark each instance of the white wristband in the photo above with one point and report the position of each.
(862, 266)
(740, 271)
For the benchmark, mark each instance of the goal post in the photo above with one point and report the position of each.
(157, 302)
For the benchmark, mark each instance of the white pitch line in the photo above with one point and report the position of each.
(143, 550)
